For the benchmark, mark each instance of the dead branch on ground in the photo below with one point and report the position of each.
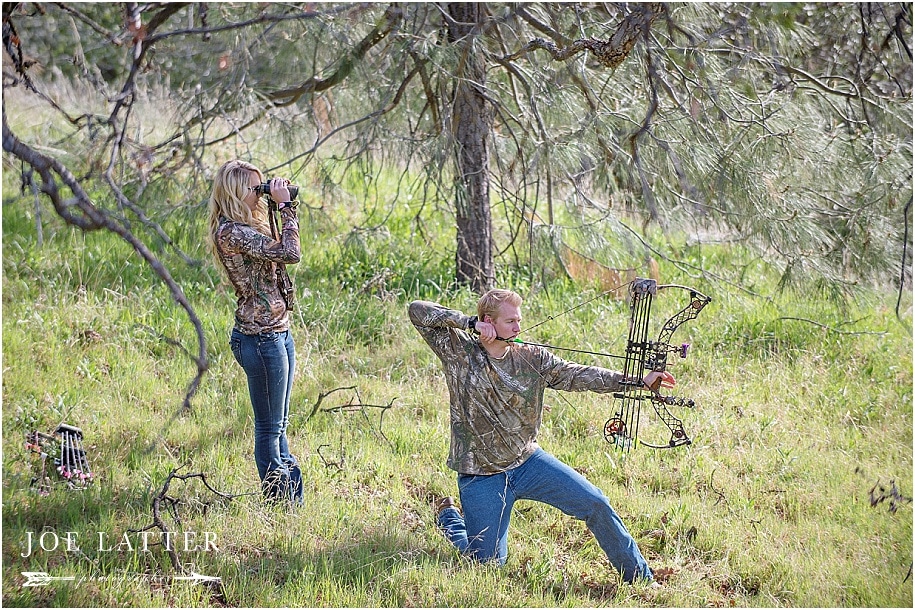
(353, 405)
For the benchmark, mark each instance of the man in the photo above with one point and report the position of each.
(496, 393)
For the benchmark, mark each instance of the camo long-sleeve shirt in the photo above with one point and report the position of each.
(497, 404)
(250, 259)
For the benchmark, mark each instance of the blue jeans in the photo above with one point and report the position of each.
(268, 360)
(487, 501)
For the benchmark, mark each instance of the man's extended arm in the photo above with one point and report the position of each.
(572, 377)
(569, 376)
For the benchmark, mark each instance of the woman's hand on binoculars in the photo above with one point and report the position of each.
(278, 190)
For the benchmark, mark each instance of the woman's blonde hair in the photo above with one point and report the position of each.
(489, 303)
(230, 187)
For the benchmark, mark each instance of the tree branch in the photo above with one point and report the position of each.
(389, 22)
(81, 212)
(610, 53)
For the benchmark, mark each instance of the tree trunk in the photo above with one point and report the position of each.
(472, 120)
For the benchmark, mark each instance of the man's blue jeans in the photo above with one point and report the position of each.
(487, 501)
(269, 363)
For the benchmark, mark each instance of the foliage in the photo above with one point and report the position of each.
(786, 127)
(797, 422)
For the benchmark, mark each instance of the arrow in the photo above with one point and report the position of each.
(41, 579)
(194, 576)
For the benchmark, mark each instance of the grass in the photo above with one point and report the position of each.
(800, 416)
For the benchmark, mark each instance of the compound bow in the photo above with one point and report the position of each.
(643, 354)
(65, 446)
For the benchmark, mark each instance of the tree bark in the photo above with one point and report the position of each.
(472, 120)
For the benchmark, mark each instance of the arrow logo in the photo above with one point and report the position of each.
(194, 576)
(41, 579)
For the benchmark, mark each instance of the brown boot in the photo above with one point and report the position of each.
(446, 502)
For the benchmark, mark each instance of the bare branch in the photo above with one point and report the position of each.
(905, 256)
(389, 22)
(322, 396)
(609, 53)
(214, 584)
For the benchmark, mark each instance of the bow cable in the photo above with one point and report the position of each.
(566, 349)
(571, 309)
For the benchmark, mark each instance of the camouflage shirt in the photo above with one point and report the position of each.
(250, 259)
(497, 404)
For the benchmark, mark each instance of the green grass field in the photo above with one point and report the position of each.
(804, 415)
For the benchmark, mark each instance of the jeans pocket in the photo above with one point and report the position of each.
(466, 480)
(235, 345)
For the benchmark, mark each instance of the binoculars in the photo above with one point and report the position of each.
(264, 189)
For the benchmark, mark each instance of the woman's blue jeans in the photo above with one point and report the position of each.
(268, 360)
(487, 501)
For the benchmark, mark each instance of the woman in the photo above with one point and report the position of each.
(254, 257)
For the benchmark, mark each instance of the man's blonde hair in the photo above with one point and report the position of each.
(230, 187)
(489, 303)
